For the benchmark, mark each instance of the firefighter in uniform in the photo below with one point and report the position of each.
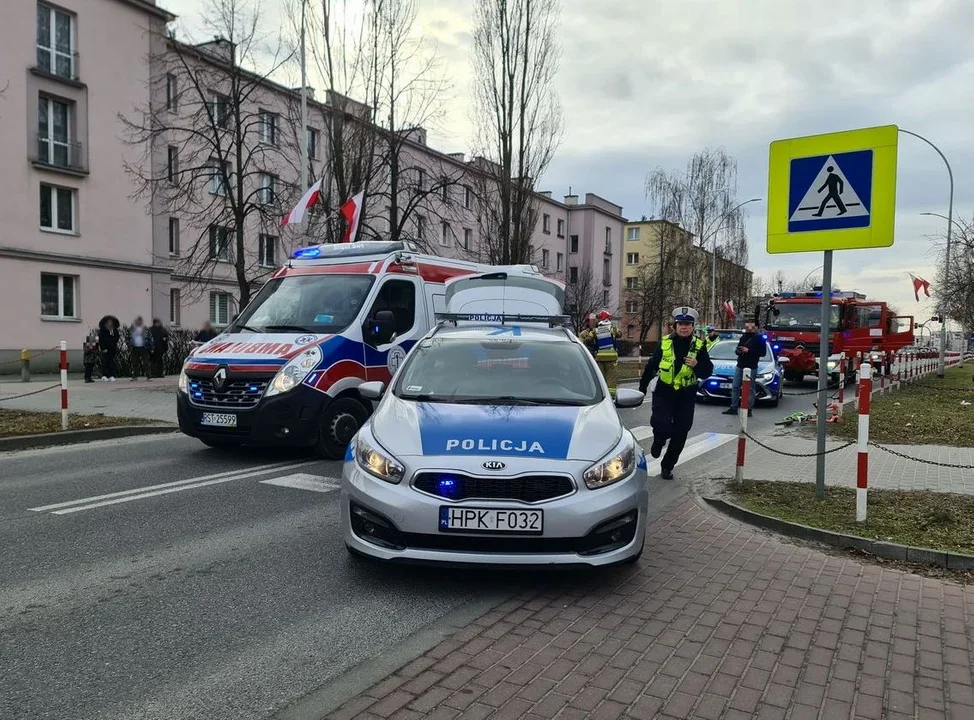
(601, 339)
(680, 360)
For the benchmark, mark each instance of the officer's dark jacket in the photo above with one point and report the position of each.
(681, 346)
(756, 348)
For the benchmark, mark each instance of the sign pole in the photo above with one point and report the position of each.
(823, 374)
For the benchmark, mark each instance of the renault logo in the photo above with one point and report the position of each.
(494, 465)
(219, 379)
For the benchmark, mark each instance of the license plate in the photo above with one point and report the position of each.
(468, 519)
(726, 386)
(219, 420)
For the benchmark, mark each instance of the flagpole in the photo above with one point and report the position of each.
(304, 104)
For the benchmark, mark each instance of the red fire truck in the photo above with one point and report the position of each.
(857, 325)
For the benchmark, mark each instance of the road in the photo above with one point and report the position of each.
(157, 578)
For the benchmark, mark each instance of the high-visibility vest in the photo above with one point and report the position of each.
(684, 376)
(603, 338)
(711, 343)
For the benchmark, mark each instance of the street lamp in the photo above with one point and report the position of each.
(713, 268)
(820, 267)
(942, 364)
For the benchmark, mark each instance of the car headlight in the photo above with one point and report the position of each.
(612, 470)
(183, 383)
(295, 371)
(766, 377)
(833, 365)
(377, 463)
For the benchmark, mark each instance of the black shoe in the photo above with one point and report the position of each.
(657, 448)
(666, 474)
(731, 411)
(750, 413)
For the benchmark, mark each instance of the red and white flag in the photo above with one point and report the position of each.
(920, 284)
(296, 216)
(352, 212)
(728, 308)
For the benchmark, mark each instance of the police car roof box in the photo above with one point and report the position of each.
(512, 292)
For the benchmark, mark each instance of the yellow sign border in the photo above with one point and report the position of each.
(883, 142)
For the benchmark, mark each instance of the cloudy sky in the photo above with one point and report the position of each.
(646, 83)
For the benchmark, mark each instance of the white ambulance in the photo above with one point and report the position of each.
(287, 370)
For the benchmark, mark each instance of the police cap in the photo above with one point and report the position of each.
(685, 315)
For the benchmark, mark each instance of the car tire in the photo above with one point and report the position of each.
(339, 423)
(221, 444)
(793, 376)
(777, 398)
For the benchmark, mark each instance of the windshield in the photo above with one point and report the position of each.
(725, 350)
(528, 372)
(306, 303)
(802, 315)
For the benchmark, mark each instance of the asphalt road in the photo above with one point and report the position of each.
(156, 578)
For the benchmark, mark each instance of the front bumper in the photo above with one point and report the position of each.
(711, 389)
(291, 419)
(398, 523)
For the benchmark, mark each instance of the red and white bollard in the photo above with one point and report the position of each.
(741, 436)
(862, 466)
(64, 385)
(841, 383)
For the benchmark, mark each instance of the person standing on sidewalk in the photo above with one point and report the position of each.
(750, 351)
(108, 342)
(160, 346)
(139, 341)
(680, 360)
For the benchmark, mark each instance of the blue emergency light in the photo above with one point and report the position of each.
(308, 252)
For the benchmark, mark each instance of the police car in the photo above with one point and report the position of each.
(497, 442)
(768, 378)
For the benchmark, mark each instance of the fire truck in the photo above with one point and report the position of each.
(857, 325)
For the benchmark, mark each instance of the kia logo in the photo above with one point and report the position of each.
(219, 378)
(494, 465)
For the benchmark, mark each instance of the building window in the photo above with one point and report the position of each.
(559, 260)
(605, 297)
(174, 237)
(467, 197)
(174, 306)
(421, 227)
(561, 228)
(445, 190)
(219, 178)
(630, 331)
(172, 93)
(608, 238)
(421, 179)
(467, 238)
(445, 234)
(632, 258)
(544, 258)
(631, 305)
(312, 143)
(267, 245)
(219, 110)
(172, 165)
(267, 194)
(59, 296)
(267, 126)
(546, 223)
(57, 208)
(573, 274)
(606, 273)
(632, 233)
(220, 242)
(220, 308)
(53, 132)
(530, 253)
(55, 42)
(573, 244)
(632, 283)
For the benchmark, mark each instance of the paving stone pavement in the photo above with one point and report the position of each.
(155, 399)
(716, 621)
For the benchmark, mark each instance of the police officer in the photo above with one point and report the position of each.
(680, 360)
(712, 338)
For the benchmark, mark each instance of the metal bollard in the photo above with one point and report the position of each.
(742, 437)
(25, 365)
(862, 464)
(64, 384)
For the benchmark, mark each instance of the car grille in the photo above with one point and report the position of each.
(527, 488)
(235, 395)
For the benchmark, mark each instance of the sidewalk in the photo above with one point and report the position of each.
(155, 399)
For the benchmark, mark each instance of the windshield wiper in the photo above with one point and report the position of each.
(249, 329)
(289, 328)
(423, 397)
(514, 400)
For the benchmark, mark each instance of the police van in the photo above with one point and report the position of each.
(497, 442)
(286, 371)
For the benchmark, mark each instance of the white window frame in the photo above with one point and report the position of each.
(216, 100)
(175, 307)
(219, 182)
(632, 258)
(267, 126)
(632, 306)
(53, 53)
(545, 255)
(313, 136)
(467, 238)
(215, 297)
(632, 233)
(53, 192)
(561, 227)
(267, 192)
(172, 164)
(264, 241)
(173, 236)
(467, 197)
(50, 140)
(632, 283)
(61, 296)
(172, 93)
(445, 234)
(546, 223)
(559, 261)
(228, 237)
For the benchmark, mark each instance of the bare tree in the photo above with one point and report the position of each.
(213, 156)
(518, 117)
(955, 284)
(660, 283)
(583, 296)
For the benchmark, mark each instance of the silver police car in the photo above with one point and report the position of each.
(496, 445)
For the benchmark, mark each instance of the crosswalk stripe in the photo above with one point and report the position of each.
(305, 481)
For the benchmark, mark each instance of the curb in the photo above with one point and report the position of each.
(887, 550)
(73, 437)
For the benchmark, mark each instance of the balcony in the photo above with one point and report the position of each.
(59, 156)
(57, 64)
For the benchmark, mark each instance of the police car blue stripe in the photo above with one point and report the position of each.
(511, 431)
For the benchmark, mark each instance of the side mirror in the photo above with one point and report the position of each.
(783, 360)
(372, 390)
(383, 327)
(628, 398)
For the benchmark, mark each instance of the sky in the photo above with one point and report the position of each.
(644, 84)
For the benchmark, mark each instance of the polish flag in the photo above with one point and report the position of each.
(296, 216)
(920, 284)
(728, 308)
(352, 212)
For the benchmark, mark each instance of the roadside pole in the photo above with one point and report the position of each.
(862, 458)
(823, 374)
(64, 384)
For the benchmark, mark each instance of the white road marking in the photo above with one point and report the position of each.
(696, 446)
(304, 481)
(89, 503)
(643, 432)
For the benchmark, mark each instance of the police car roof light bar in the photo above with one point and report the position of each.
(550, 320)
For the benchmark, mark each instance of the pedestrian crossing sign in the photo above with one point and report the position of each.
(832, 192)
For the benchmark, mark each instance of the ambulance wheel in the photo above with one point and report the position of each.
(339, 423)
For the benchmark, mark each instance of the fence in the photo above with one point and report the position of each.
(62, 385)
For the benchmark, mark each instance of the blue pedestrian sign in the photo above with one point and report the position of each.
(830, 192)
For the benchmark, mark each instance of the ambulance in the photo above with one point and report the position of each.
(286, 371)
